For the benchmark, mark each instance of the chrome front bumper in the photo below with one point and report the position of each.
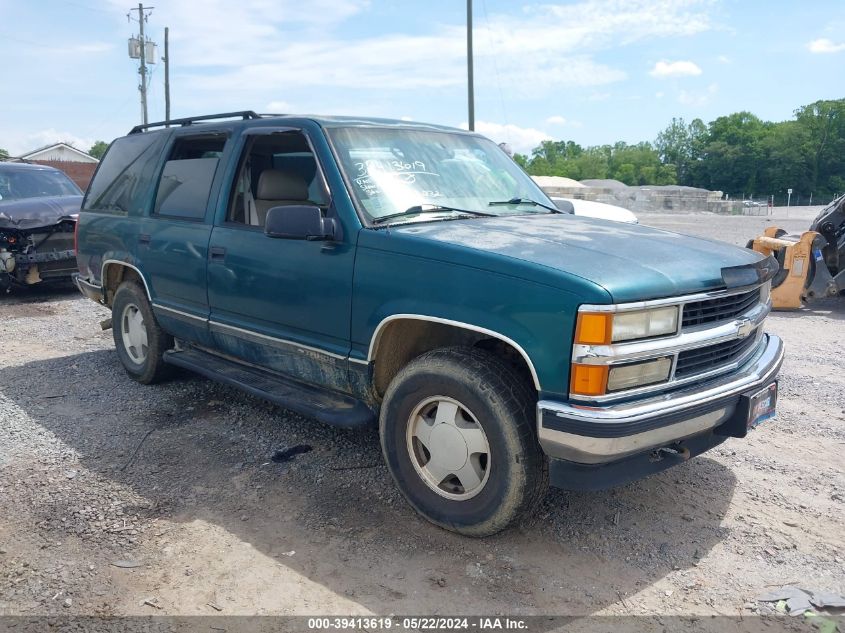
(589, 434)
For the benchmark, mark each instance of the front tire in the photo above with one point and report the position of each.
(138, 338)
(457, 432)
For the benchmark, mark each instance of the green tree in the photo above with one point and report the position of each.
(98, 149)
(3, 154)
(639, 165)
(786, 159)
(731, 156)
(824, 123)
(681, 145)
(738, 153)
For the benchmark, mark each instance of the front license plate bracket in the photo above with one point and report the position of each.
(752, 409)
(762, 405)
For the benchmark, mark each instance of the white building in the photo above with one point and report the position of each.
(58, 152)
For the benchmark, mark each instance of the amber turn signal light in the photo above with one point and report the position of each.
(588, 380)
(594, 328)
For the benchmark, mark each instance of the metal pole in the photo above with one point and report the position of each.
(166, 74)
(470, 90)
(143, 69)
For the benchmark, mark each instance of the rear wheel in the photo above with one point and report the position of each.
(138, 338)
(457, 432)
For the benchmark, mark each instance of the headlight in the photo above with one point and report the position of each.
(638, 374)
(628, 326)
(765, 292)
(602, 328)
(597, 380)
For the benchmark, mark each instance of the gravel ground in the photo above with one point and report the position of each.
(116, 498)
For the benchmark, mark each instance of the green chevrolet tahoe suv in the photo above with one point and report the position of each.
(412, 277)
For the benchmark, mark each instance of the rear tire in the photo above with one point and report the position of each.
(138, 338)
(457, 429)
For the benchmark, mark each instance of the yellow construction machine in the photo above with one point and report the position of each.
(812, 265)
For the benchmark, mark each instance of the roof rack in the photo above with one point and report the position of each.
(243, 114)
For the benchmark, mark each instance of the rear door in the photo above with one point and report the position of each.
(173, 242)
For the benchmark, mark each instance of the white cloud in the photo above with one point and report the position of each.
(724, 59)
(556, 119)
(405, 118)
(659, 95)
(281, 107)
(824, 45)
(664, 69)
(17, 145)
(265, 45)
(321, 56)
(521, 139)
(697, 99)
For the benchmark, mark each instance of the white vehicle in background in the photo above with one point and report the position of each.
(591, 209)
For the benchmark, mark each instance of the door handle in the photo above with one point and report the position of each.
(217, 253)
(143, 238)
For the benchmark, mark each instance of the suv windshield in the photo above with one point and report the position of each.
(396, 171)
(36, 183)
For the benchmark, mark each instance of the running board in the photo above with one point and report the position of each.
(327, 406)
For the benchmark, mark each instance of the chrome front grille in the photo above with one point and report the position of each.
(718, 332)
(704, 359)
(719, 309)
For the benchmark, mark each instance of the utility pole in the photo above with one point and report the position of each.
(144, 51)
(166, 73)
(143, 70)
(470, 90)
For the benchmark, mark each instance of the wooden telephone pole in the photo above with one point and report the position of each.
(166, 73)
(470, 88)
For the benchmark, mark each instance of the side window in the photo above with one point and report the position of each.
(187, 177)
(275, 170)
(125, 174)
(5, 188)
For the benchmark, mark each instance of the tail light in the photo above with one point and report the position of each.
(76, 237)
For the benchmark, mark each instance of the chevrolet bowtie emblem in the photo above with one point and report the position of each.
(744, 328)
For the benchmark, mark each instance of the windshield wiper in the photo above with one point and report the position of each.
(533, 203)
(425, 208)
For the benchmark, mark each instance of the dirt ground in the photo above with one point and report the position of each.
(116, 498)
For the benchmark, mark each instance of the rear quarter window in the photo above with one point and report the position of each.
(125, 176)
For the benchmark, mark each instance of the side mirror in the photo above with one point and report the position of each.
(564, 205)
(299, 222)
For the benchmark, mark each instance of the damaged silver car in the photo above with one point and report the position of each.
(39, 207)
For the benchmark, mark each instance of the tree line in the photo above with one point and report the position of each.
(739, 154)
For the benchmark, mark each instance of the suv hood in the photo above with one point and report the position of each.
(631, 262)
(33, 213)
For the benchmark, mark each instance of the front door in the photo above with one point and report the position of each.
(278, 303)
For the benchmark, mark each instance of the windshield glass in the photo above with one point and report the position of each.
(392, 170)
(36, 183)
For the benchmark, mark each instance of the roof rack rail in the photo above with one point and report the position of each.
(243, 114)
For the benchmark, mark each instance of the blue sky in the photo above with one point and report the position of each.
(593, 71)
